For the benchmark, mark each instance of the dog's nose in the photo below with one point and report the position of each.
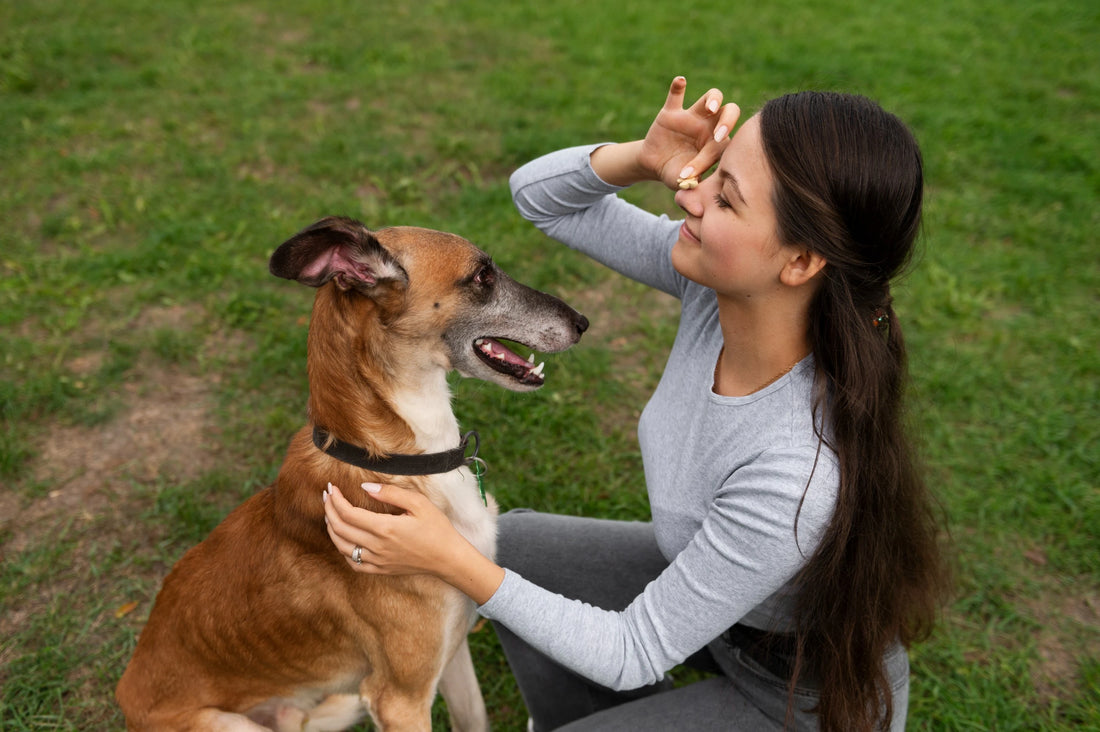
(582, 324)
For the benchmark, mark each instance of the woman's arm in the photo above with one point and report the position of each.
(569, 194)
(745, 550)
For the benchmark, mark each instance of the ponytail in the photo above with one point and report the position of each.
(848, 185)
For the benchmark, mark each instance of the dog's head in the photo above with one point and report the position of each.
(432, 290)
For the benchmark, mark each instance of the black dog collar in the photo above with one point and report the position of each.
(423, 464)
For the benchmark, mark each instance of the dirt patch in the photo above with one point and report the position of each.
(1069, 633)
(163, 430)
(85, 473)
(174, 317)
(83, 559)
(79, 492)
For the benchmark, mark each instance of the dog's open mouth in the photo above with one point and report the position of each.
(500, 358)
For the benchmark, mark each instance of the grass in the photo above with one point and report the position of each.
(151, 371)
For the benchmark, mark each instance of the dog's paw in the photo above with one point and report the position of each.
(336, 712)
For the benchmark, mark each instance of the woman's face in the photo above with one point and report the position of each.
(728, 241)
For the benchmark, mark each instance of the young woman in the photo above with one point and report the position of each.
(793, 546)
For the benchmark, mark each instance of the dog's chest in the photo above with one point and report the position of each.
(469, 514)
(426, 409)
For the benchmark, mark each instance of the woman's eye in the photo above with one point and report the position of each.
(722, 203)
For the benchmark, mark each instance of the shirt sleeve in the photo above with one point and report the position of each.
(568, 201)
(746, 549)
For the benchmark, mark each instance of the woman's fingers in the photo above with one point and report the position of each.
(705, 106)
(683, 143)
(674, 102)
(406, 500)
(344, 535)
(722, 117)
(712, 150)
(708, 104)
(727, 118)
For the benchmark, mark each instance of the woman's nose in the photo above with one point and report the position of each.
(690, 202)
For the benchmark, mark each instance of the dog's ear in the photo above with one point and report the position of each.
(337, 248)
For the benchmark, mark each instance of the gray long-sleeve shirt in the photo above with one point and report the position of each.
(727, 476)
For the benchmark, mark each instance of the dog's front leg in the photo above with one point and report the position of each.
(459, 688)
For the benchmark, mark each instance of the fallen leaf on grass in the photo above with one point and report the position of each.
(125, 610)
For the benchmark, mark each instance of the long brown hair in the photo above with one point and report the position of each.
(849, 186)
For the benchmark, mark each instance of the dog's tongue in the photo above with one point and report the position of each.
(494, 349)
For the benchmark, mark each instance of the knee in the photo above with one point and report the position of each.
(518, 542)
(512, 522)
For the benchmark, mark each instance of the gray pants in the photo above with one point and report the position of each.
(607, 564)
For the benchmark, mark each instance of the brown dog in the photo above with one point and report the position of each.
(263, 625)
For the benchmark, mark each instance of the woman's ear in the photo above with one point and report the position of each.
(801, 267)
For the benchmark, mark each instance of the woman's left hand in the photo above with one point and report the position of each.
(685, 143)
(421, 540)
(414, 542)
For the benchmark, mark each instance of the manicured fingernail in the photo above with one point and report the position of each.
(324, 496)
(687, 172)
(712, 105)
(371, 487)
(720, 133)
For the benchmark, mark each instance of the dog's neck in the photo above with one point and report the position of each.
(408, 420)
(425, 407)
(411, 416)
(394, 397)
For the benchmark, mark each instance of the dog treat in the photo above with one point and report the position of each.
(687, 184)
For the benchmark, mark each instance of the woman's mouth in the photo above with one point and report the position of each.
(687, 235)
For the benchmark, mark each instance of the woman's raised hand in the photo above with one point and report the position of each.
(685, 143)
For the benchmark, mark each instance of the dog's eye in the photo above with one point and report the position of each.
(485, 277)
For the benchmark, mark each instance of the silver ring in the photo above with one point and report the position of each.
(357, 555)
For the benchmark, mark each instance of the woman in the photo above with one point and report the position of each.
(793, 545)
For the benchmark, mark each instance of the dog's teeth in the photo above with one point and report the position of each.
(531, 358)
(538, 369)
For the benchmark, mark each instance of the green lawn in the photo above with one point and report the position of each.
(151, 371)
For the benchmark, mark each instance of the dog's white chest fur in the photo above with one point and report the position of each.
(470, 516)
(427, 411)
